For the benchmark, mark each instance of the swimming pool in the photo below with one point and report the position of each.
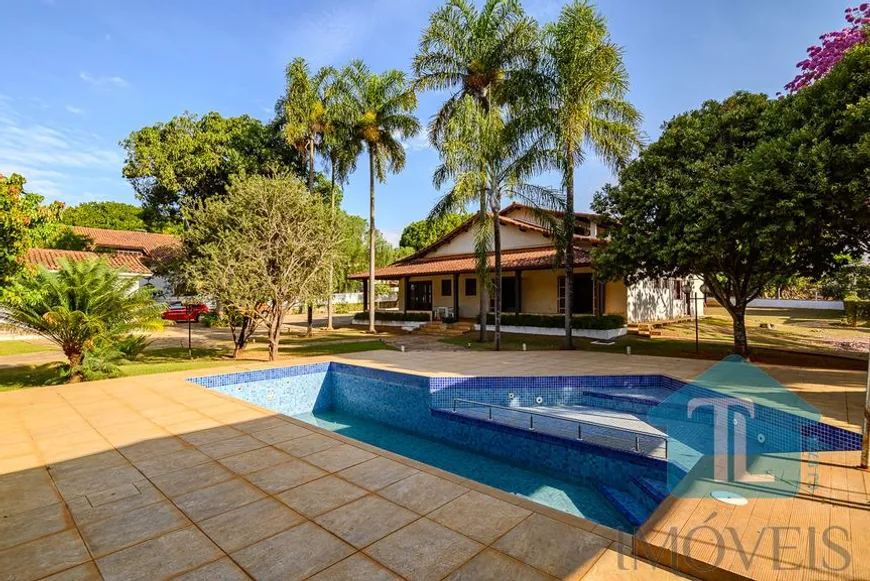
(584, 445)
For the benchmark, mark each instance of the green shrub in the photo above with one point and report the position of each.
(212, 320)
(392, 316)
(132, 346)
(347, 308)
(601, 322)
(856, 310)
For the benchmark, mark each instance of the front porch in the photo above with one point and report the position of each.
(457, 295)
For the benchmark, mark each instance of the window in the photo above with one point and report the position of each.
(446, 288)
(583, 294)
(471, 287)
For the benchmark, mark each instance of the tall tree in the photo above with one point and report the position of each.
(723, 194)
(487, 55)
(271, 231)
(24, 223)
(192, 158)
(830, 120)
(481, 155)
(420, 234)
(581, 109)
(303, 110)
(823, 57)
(382, 109)
(111, 215)
(304, 113)
(337, 148)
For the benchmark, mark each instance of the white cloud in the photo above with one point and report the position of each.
(75, 110)
(417, 143)
(116, 82)
(58, 162)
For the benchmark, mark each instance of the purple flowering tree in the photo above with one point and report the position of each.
(822, 58)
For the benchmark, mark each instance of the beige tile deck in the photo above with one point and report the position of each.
(157, 478)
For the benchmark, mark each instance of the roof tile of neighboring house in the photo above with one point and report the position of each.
(49, 258)
(144, 242)
(524, 259)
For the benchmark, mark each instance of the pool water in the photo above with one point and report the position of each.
(575, 497)
(510, 432)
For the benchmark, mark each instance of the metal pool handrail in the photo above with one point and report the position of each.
(580, 423)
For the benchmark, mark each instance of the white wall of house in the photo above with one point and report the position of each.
(661, 299)
(511, 239)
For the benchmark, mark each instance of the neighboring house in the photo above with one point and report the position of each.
(442, 275)
(124, 250)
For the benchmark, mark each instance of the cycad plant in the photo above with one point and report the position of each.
(484, 163)
(580, 108)
(488, 55)
(380, 108)
(80, 306)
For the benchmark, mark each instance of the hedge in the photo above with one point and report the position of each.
(392, 316)
(856, 310)
(601, 322)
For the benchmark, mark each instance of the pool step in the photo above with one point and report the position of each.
(634, 510)
(656, 490)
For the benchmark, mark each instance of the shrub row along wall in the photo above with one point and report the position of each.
(392, 316)
(857, 310)
(602, 322)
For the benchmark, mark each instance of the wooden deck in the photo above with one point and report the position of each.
(823, 533)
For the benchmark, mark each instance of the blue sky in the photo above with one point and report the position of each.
(80, 75)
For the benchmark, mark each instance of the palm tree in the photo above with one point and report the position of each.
(381, 108)
(303, 110)
(488, 55)
(580, 108)
(479, 155)
(336, 148)
(80, 305)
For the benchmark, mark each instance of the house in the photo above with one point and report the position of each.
(442, 276)
(127, 251)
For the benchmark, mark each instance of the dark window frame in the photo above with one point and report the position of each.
(446, 284)
(471, 287)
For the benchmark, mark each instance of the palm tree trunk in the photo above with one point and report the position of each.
(568, 231)
(496, 240)
(311, 166)
(331, 260)
(371, 304)
(482, 277)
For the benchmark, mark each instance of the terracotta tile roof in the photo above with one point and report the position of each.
(524, 259)
(127, 240)
(49, 258)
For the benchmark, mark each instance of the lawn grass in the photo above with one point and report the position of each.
(166, 360)
(151, 361)
(16, 347)
(804, 329)
(315, 348)
(321, 336)
(665, 347)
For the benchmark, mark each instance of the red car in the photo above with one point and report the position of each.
(183, 313)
